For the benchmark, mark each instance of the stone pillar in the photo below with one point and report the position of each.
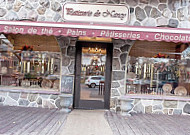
(120, 53)
(67, 46)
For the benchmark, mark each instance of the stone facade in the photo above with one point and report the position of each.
(30, 99)
(172, 13)
(157, 106)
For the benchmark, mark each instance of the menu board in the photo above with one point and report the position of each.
(67, 84)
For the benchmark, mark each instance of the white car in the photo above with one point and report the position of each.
(94, 81)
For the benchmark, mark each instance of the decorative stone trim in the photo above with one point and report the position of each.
(158, 106)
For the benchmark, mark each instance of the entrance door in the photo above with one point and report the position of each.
(93, 75)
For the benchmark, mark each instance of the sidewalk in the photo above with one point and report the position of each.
(86, 122)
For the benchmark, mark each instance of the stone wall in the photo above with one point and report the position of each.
(172, 13)
(120, 53)
(170, 107)
(30, 99)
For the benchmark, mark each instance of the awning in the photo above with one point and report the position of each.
(96, 30)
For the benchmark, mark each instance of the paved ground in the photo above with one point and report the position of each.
(38, 121)
(30, 121)
(149, 124)
(87, 122)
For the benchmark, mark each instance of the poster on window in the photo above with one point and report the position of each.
(67, 84)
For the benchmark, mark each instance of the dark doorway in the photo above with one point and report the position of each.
(93, 75)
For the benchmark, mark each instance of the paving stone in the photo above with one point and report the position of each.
(154, 2)
(53, 97)
(3, 93)
(72, 67)
(146, 102)
(56, 17)
(116, 64)
(132, 2)
(162, 21)
(186, 108)
(147, 10)
(161, 7)
(148, 109)
(139, 108)
(17, 6)
(163, 1)
(24, 95)
(157, 107)
(11, 16)
(170, 104)
(182, 13)
(45, 3)
(144, 1)
(155, 13)
(118, 75)
(181, 104)
(115, 92)
(137, 23)
(116, 52)
(41, 10)
(33, 15)
(149, 22)
(71, 51)
(9, 101)
(177, 112)
(2, 12)
(125, 48)
(65, 60)
(39, 101)
(115, 85)
(33, 104)
(55, 6)
(123, 58)
(23, 102)
(28, 6)
(173, 23)
(32, 97)
(14, 95)
(140, 14)
(165, 111)
(136, 101)
(167, 13)
(158, 112)
(173, 4)
(65, 70)
(2, 99)
(57, 103)
(170, 111)
(45, 96)
(47, 104)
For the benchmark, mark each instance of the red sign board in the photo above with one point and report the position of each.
(96, 30)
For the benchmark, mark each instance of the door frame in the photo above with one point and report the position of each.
(108, 71)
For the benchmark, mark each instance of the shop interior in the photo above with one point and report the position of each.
(158, 68)
(93, 73)
(29, 62)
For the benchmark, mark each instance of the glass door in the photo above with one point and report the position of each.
(92, 75)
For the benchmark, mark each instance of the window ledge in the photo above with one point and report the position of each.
(27, 90)
(158, 97)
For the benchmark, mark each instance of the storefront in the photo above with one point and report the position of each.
(98, 56)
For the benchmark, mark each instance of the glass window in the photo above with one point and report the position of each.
(160, 68)
(29, 66)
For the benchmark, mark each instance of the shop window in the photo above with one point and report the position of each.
(27, 64)
(159, 68)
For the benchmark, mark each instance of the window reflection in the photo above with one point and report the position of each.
(165, 73)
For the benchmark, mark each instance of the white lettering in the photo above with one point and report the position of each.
(76, 32)
(13, 29)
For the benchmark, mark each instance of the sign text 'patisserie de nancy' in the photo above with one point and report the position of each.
(98, 13)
